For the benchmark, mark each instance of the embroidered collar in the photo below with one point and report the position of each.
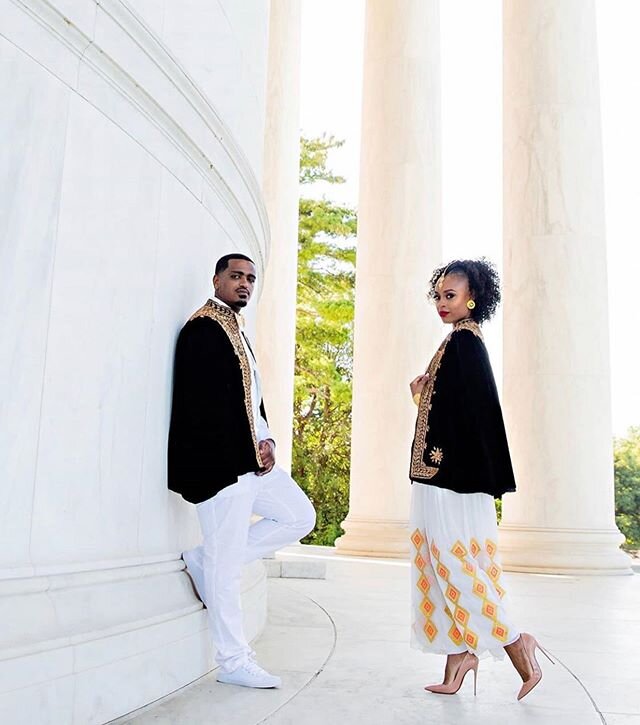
(219, 303)
(468, 324)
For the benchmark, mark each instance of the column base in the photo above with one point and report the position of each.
(374, 537)
(563, 551)
(91, 646)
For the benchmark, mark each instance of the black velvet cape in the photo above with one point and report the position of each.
(212, 440)
(460, 441)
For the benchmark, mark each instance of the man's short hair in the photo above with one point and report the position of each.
(223, 262)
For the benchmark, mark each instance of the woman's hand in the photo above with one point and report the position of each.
(418, 383)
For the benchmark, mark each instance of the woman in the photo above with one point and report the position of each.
(459, 463)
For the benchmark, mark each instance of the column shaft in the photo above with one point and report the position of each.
(399, 242)
(556, 345)
(277, 309)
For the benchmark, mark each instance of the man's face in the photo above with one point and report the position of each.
(234, 285)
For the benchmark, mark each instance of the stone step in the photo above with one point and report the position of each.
(284, 568)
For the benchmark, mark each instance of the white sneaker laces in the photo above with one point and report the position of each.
(253, 668)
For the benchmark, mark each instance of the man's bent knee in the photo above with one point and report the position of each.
(307, 522)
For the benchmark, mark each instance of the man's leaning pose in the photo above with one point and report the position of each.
(222, 459)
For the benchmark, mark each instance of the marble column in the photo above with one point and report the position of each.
(556, 344)
(399, 243)
(124, 175)
(276, 334)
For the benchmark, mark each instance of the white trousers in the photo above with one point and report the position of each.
(230, 541)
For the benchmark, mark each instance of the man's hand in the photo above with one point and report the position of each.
(268, 455)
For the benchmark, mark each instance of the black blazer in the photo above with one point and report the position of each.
(460, 441)
(212, 440)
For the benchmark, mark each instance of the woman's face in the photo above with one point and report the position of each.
(451, 297)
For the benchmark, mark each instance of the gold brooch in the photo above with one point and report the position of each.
(436, 455)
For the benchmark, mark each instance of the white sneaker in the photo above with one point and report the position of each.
(250, 674)
(192, 571)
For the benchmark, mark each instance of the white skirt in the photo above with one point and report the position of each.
(458, 602)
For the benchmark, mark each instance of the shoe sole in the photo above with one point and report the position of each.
(252, 687)
(192, 580)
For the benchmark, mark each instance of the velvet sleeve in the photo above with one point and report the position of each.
(486, 450)
(198, 435)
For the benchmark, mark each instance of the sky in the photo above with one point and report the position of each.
(471, 58)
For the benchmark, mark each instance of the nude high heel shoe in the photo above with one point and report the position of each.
(530, 645)
(469, 662)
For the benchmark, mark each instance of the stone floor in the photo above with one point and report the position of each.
(341, 646)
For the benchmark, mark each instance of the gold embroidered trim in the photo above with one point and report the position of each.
(471, 325)
(419, 469)
(226, 318)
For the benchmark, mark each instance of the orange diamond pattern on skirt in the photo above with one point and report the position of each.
(494, 572)
(469, 569)
(417, 539)
(459, 550)
(500, 632)
(491, 548)
(452, 593)
(489, 609)
(479, 589)
(430, 630)
(423, 584)
(455, 635)
(461, 616)
(475, 548)
(458, 593)
(471, 639)
(427, 607)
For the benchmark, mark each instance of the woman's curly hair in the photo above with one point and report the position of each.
(484, 284)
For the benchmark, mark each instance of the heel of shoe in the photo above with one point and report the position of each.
(546, 654)
(475, 680)
(530, 645)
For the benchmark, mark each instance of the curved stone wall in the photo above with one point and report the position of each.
(132, 144)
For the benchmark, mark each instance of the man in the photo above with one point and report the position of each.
(222, 458)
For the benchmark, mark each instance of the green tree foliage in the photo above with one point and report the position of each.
(626, 462)
(324, 346)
